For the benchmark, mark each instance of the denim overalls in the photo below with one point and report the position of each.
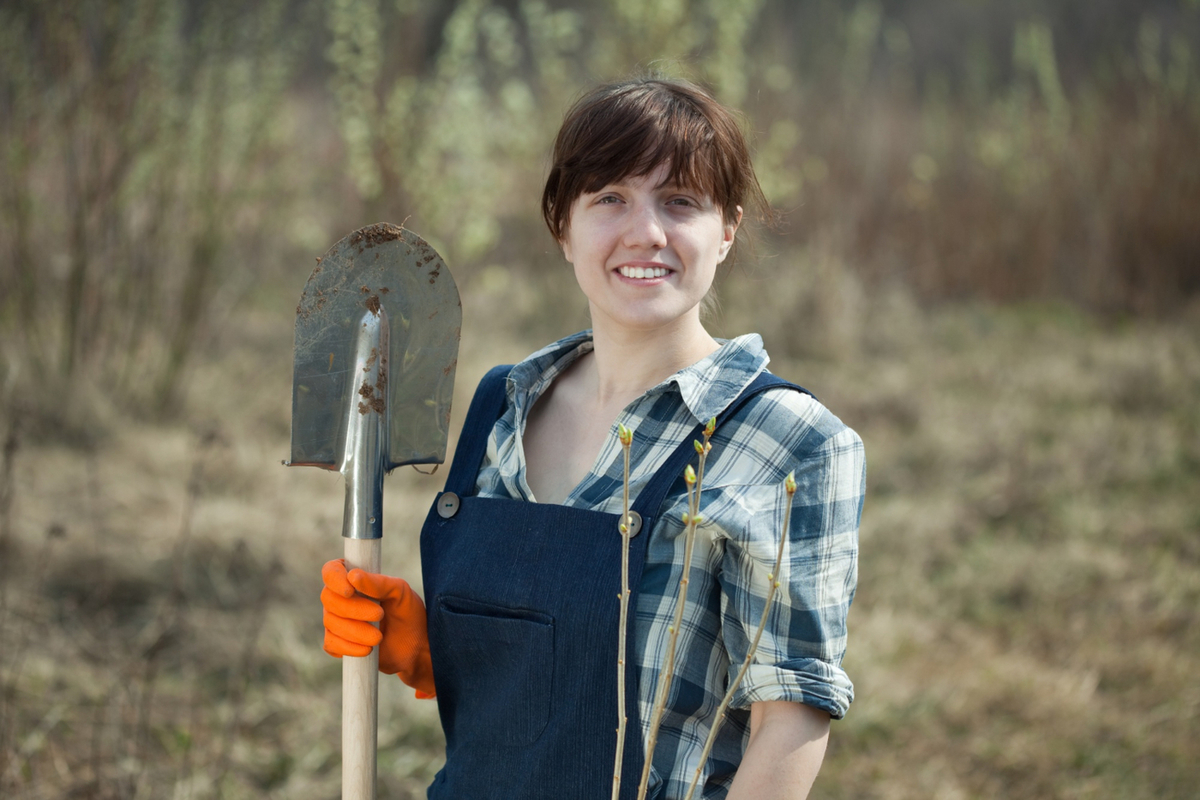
(522, 600)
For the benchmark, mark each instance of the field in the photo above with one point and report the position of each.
(1024, 627)
(988, 265)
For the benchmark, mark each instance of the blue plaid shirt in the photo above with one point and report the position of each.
(800, 654)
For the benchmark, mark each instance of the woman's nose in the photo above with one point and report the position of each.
(645, 228)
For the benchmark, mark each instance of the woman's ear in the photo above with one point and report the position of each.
(564, 243)
(728, 235)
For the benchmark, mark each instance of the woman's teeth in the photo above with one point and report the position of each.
(644, 272)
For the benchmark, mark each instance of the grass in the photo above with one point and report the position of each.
(1024, 624)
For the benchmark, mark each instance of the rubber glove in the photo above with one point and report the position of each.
(353, 600)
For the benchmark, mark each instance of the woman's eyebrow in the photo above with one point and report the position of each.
(674, 186)
(670, 187)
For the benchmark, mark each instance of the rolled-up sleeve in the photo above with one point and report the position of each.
(799, 656)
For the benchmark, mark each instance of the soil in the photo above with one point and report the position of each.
(372, 235)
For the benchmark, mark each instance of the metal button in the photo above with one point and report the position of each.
(635, 524)
(447, 505)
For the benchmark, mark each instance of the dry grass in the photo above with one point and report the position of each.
(1024, 626)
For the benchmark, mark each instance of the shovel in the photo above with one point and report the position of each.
(377, 332)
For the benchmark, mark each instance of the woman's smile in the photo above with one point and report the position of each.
(644, 274)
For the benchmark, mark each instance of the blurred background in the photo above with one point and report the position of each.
(989, 266)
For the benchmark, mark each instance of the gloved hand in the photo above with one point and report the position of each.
(402, 636)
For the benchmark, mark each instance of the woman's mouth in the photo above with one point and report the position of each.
(644, 272)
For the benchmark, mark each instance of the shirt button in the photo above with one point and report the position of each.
(635, 524)
(447, 505)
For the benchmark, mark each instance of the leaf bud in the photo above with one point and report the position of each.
(689, 475)
(789, 483)
(624, 434)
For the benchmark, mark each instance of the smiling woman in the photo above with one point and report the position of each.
(521, 554)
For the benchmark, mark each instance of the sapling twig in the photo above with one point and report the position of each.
(626, 437)
(789, 485)
(694, 480)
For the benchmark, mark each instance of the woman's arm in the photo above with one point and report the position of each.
(787, 746)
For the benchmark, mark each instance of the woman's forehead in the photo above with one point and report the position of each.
(659, 176)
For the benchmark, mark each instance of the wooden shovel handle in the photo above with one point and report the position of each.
(360, 696)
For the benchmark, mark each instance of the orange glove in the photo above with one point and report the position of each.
(402, 637)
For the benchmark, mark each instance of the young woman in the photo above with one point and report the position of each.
(521, 553)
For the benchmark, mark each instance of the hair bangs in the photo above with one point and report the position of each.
(652, 130)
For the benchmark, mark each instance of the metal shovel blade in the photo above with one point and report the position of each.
(377, 332)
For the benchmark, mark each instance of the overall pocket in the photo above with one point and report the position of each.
(493, 667)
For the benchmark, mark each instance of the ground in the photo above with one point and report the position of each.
(1025, 624)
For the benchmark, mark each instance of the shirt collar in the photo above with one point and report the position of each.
(706, 387)
(528, 379)
(712, 383)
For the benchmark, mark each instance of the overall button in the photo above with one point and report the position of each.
(447, 505)
(635, 524)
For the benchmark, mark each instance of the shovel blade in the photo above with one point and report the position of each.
(378, 268)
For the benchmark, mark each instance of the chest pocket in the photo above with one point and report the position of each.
(496, 670)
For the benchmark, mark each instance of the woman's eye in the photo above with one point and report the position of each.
(680, 201)
(607, 199)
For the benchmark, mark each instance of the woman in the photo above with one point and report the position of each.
(521, 554)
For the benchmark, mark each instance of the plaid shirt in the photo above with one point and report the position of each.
(799, 656)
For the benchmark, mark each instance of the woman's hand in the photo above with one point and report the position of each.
(355, 599)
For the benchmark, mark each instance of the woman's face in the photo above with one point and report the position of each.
(645, 253)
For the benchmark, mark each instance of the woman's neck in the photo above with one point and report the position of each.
(629, 362)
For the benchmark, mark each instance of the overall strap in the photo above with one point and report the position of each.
(651, 497)
(485, 409)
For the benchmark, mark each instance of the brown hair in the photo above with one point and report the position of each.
(630, 128)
